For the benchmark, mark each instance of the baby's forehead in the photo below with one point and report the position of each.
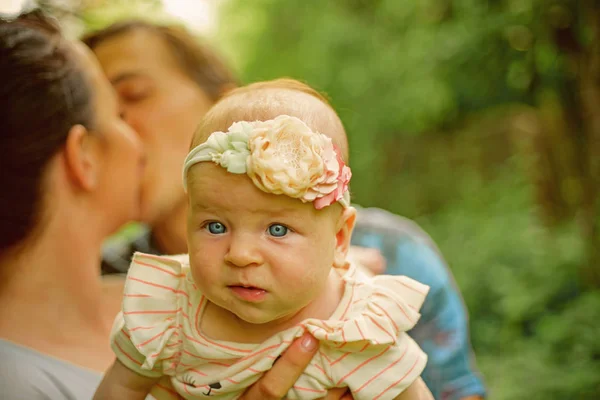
(213, 189)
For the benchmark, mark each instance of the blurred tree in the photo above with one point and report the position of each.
(480, 119)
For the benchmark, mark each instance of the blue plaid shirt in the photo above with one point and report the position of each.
(442, 331)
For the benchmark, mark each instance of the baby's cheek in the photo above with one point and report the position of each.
(311, 281)
(202, 275)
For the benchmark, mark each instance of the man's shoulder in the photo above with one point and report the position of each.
(376, 221)
(407, 248)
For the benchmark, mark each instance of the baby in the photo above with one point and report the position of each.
(269, 227)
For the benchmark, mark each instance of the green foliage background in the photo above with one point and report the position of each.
(428, 90)
(458, 116)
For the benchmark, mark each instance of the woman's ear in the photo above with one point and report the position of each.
(343, 235)
(226, 88)
(81, 157)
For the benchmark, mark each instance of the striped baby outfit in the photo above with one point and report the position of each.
(363, 346)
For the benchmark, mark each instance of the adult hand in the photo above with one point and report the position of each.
(338, 394)
(275, 384)
(371, 259)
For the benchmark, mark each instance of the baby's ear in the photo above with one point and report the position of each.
(344, 229)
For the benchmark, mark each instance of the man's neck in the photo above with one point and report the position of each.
(169, 233)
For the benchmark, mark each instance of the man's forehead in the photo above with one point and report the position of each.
(137, 51)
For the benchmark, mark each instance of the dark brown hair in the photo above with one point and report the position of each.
(43, 93)
(200, 62)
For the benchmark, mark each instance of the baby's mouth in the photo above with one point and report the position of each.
(248, 293)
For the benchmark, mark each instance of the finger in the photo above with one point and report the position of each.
(275, 384)
(338, 394)
(371, 259)
(375, 261)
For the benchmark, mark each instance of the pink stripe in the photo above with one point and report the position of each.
(152, 312)
(221, 364)
(166, 271)
(127, 354)
(156, 285)
(197, 371)
(359, 331)
(310, 389)
(382, 328)
(137, 328)
(348, 305)
(413, 288)
(339, 359)
(382, 371)
(263, 350)
(359, 366)
(322, 371)
(151, 339)
(225, 347)
(197, 356)
(399, 380)
(390, 318)
(194, 340)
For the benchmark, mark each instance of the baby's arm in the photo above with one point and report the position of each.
(416, 391)
(120, 382)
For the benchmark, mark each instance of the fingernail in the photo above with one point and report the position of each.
(309, 343)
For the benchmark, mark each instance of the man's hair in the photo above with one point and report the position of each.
(198, 60)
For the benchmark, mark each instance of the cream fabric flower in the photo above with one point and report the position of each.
(289, 158)
(281, 156)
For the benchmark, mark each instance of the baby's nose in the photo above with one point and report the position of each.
(243, 251)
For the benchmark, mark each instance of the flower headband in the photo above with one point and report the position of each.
(281, 156)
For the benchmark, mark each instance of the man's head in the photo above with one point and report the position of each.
(166, 79)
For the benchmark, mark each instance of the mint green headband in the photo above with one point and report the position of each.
(281, 156)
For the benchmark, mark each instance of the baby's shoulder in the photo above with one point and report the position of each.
(381, 291)
(177, 264)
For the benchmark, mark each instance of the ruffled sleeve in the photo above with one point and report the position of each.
(368, 349)
(147, 333)
(377, 311)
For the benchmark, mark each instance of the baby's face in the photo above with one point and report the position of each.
(260, 256)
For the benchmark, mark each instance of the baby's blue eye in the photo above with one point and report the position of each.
(278, 230)
(216, 228)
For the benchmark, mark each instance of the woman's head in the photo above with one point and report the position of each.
(253, 251)
(57, 112)
(166, 80)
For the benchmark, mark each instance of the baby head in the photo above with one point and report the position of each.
(269, 213)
